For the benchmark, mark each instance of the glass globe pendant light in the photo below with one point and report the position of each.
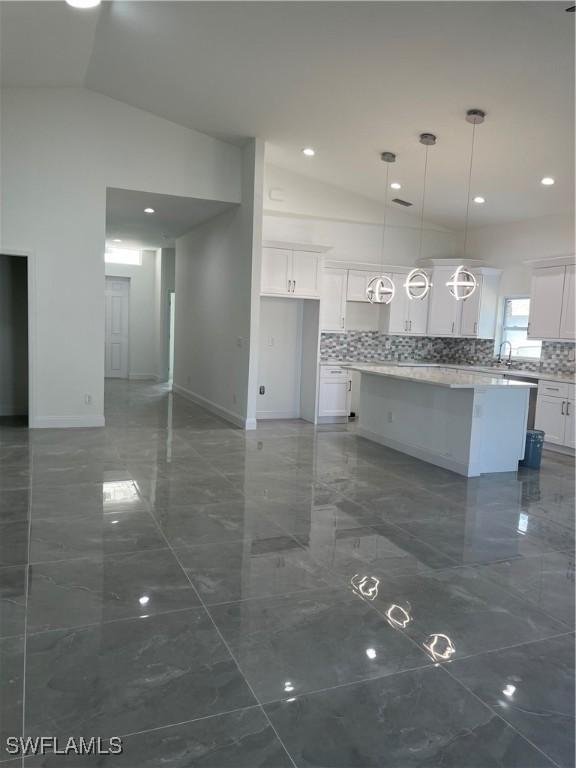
(417, 284)
(463, 283)
(381, 289)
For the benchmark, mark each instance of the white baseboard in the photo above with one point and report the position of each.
(277, 415)
(66, 422)
(142, 376)
(214, 408)
(564, 449)
(418, 453)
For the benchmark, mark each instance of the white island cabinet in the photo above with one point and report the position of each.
(467, 422)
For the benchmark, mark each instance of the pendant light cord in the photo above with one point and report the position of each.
(385, 216)
(423, 203)
(469, 188)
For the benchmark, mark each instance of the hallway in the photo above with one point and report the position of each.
(291, 596)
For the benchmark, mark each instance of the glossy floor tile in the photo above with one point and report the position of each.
(532, 688)
(289, 596)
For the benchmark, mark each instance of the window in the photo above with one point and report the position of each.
(123, 256)
(515, 329)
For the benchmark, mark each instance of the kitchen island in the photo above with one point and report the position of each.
(470, 423)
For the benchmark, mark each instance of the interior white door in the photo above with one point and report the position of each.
(305, 273)
(116, 351)
(275, 267)
(567, 329)
(546, 302)
(470, 317)
(333, 300)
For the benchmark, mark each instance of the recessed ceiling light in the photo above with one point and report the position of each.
(479, 199)
(395, 185)
(547, 181)
(308, 151)
(116, 240)
(83, 3)
(149, 210)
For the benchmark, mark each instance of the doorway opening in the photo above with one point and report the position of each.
(14, 341)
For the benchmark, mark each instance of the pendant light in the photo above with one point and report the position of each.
(417, 285)
(381, 289)
(463, 283)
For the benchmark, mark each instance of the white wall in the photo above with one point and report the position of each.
(13, 336)
(165, 284)
(508, 246)
(60, 149)
(216, 319)
(315, 212)
(143, 355)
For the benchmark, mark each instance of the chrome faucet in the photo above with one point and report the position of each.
(509, 361)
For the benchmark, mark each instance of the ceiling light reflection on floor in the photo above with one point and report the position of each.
(119, 492)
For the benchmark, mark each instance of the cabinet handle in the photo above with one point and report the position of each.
(350, 386)
(475, 328)
(293, 286)
(553, 389)
(342, 323)
(563, 404)
(452, 326)
(568, 408)
(409, 325)
(289, 286)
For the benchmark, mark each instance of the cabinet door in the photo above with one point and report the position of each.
(470, 317)
(546, 302)
(567, 329)
(398, 307)
(275, 268)
(334, 398)
(305, 273)
(357, 282)
(569, 428)
(550, 416)
(418, 315)
(444, 310)
(333, 300)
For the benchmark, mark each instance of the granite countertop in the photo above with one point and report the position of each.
(567, 378)
(440, 376)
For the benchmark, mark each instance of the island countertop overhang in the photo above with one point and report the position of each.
(440, 377)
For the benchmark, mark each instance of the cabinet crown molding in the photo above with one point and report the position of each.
(290, 246)
(552, 261)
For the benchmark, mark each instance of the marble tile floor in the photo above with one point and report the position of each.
(292, 596)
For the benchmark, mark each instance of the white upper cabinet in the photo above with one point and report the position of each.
(470, 314)
(567, 326)
(404, 316)
(305, 274)
(418, 315)
(333, 300)
(275, 270)
(444, 311)
(287, 272)
(474, 317)
(357, 284)
(546, 302)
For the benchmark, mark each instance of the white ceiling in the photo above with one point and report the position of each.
(350, 79)
(173, 217)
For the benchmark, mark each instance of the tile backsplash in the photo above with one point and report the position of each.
(364, 346)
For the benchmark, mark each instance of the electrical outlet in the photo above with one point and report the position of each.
(238, 341)
(88, 398)
(390, 417)
(262, 390)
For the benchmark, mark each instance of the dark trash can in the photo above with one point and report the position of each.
(533, 450)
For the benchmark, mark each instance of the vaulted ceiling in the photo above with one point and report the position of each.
(349, 78)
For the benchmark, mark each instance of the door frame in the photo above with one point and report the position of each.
(32, 324)
(128, 281)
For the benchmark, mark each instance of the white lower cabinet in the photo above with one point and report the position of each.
(555, 410)
(335, 392)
